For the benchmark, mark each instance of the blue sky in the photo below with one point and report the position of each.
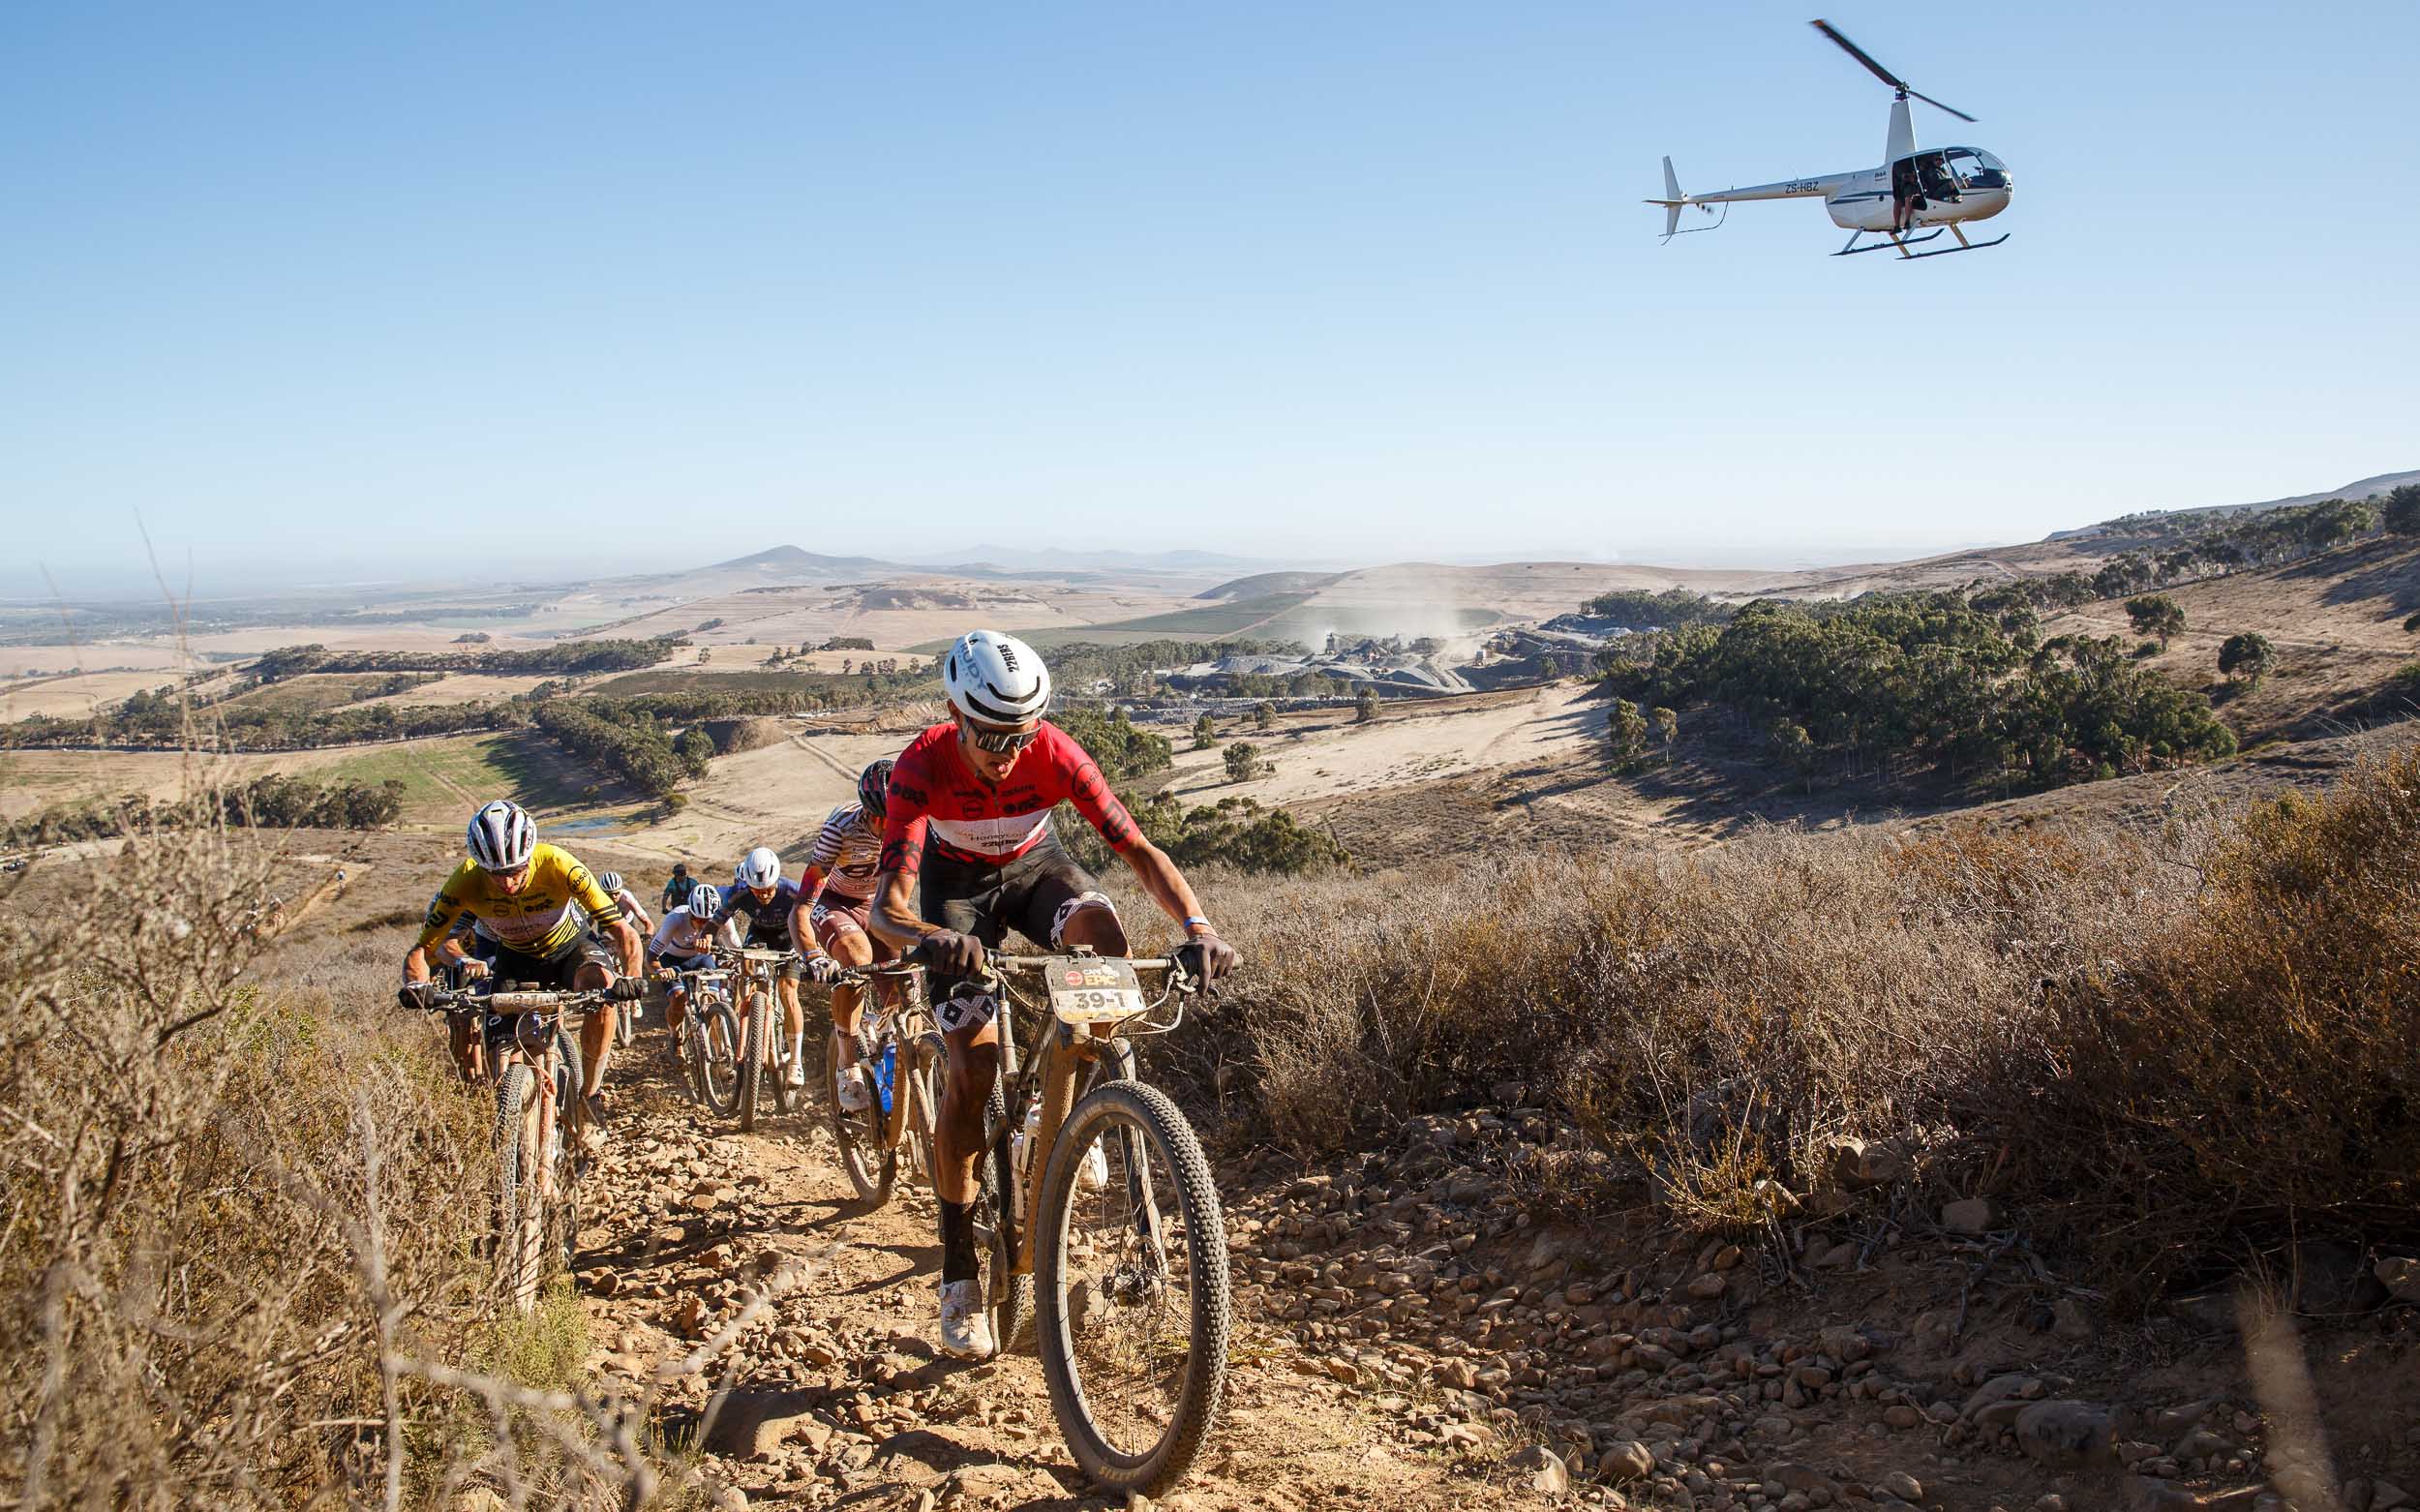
(486, 290)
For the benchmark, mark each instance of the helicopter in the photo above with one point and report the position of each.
(1938, 187)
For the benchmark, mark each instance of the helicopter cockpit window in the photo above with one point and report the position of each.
(1976, 168)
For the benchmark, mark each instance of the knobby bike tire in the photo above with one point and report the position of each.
(520, 1226)
(931, 1053)
(1148, 1112)
(1000, 1207)
(870, 1162)
(752, 1062)
(786, 1098)
(561, 1242)
(718, 1072)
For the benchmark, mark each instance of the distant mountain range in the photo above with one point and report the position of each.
(791, 563)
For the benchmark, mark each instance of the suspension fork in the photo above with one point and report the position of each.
(1062, 1055)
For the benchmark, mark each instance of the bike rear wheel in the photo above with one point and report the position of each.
(872, 1162)
(1135, 1308)
(999, 1206)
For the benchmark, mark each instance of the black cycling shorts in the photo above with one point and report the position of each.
(1033, 895)
(556, 972)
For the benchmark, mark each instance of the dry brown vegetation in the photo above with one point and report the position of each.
(2156, 1049)
(239, 1250)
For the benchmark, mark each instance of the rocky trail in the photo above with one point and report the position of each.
(1407, 1338)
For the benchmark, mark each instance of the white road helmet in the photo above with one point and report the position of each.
(501, 838)
(760, 867)
(610, 882)
(995, 679)
(705, 901)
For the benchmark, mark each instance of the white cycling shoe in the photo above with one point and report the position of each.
(965, 1327)
(1094, 1174)
(850, 1087)
(793, 1074)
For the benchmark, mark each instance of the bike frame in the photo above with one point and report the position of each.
(1062, 1052)
(898, 1004)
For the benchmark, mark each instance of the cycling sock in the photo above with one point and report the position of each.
(798, 1048)
(957, 1242)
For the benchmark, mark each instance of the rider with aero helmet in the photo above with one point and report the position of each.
(762, 900)
(836, 893)
(969, 813)
(543, 910)
(633, 910)
(685, 942)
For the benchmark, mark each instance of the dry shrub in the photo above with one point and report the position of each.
(2081, 1014)
(237, 1248)
(2258, 1064)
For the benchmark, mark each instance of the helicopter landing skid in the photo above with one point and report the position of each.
(1902, 243)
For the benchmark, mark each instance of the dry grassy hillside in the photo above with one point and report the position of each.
(2003, 1103)
(2336, 622)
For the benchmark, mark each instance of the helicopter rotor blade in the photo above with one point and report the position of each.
(1938, 105)
(1859, 53)
(1881, 72)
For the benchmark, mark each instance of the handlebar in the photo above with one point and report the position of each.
(1001, 966)
(452, 1000)
(858, 975)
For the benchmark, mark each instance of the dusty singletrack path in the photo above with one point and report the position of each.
(855, 1408)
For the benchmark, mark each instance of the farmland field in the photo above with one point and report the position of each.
(443, 778)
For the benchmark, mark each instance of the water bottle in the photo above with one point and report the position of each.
(885, 1070)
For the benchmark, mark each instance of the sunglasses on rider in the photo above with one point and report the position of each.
(1000, 743)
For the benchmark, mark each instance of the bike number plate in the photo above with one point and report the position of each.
(1088, 989)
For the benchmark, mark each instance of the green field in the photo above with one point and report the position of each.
(310, 692)
(445, 779)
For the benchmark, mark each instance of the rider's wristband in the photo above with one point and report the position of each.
(1195, 923)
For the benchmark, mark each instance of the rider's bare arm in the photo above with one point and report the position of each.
(893, 916)
(802, 929)
(626, 944)
(1165, 884)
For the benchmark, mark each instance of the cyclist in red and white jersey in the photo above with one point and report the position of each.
(968, 815)
(835, 894)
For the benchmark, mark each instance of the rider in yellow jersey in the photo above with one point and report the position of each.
(543, 908)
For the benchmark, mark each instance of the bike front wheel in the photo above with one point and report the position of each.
(519, 1188)
(867, 1154)
(715, 1049)
(1132, 1293)
(752, 1062)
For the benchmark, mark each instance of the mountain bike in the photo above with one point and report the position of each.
(1126, 1270)
(902, 1053)
(761, 1045)
(708, 1043)
(534, 1057)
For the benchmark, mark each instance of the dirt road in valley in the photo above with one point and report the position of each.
(687, 1215)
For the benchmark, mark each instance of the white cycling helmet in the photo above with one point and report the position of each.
(705, 901)
(501, 838)
(760, 867)
(995, 679)
(610, 881)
